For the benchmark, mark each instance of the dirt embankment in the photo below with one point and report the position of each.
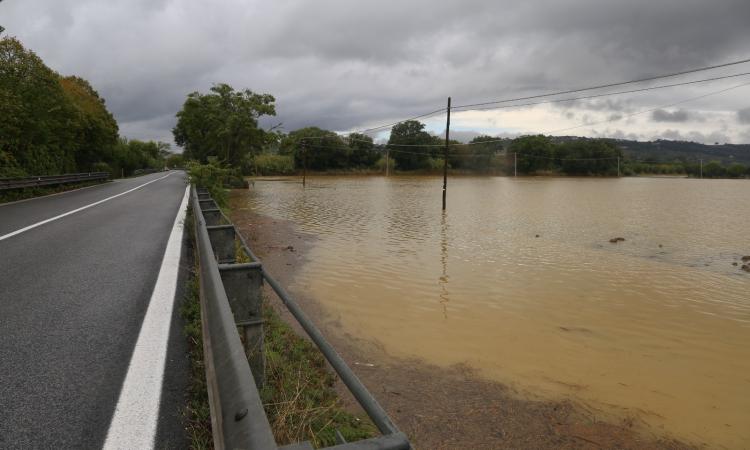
(440, 408)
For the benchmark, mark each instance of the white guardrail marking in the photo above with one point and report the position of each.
(137, 413)
(38, 224)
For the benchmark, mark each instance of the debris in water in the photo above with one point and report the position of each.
(616, 240)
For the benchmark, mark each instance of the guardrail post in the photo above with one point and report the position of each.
(207, 204)
(212, 216)
(222, 242)
(243, 283)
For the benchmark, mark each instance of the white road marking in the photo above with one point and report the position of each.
(137, 413)
(38, 224)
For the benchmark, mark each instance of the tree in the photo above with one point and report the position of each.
(223, 123)
(411, 146)
(714, 169)
(37, 129)
(323, 149)
(533, 153)
(95, 128)
(174, 160)
(587, 157)
(479, 153)
(363, 152)
(736, 170)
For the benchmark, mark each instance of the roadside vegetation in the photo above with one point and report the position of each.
(298, 395)
(12, 195)
(54, 124)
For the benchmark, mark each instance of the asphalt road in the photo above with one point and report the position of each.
(73, 295)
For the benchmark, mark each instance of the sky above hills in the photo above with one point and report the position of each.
(351, 65)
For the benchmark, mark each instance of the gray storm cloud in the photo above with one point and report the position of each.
(743, 115)
(343, 65)
(661, 115)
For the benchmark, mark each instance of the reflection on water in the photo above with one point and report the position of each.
(518, 279)
(444, 261)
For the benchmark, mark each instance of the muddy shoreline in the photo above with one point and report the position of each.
(438, 408)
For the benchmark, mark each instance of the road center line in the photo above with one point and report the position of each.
(136, 416)
(24, 229)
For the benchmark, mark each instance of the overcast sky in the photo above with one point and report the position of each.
(347, 65)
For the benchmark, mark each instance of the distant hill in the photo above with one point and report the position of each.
(664, 150)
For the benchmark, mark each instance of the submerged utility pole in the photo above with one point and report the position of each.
(304, 162)
(515, 164)
(387, 159)
(618, 167)
(445, 155)
(701, 169)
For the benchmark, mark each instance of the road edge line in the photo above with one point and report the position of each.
(135, 420)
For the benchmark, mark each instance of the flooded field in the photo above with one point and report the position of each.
(519, 280)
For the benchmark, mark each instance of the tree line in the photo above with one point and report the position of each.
(53, 124)
(56, 124)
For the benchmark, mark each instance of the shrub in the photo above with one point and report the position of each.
(210, 176)
(101, 167)
(380, 164)
(270, 164)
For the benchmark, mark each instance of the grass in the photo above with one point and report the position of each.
(299, 396)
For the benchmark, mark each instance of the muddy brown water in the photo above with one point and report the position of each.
(519, 280)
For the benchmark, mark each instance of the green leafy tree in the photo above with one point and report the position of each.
(95, 128)
(50, 124)
(478, 155)
(412, 146)
(223, 123)
(323, 149)
(587, 157)
(363, 153)
(174, 160)
(736, 170)
(533, 153)
(714, 169)
(37, 129)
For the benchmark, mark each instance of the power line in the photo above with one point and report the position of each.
(389, 125)
(570, 91)
(649, 110)
(625, 116)
(630, 91)
(602, 86)
(558, 101)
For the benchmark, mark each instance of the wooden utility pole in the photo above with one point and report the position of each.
(387, 159)
(515, 164)
(701, 169)
(445, 156)
(618, 167)
(304, 162)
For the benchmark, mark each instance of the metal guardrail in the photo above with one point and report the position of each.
(49, 180)
(230, 298)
